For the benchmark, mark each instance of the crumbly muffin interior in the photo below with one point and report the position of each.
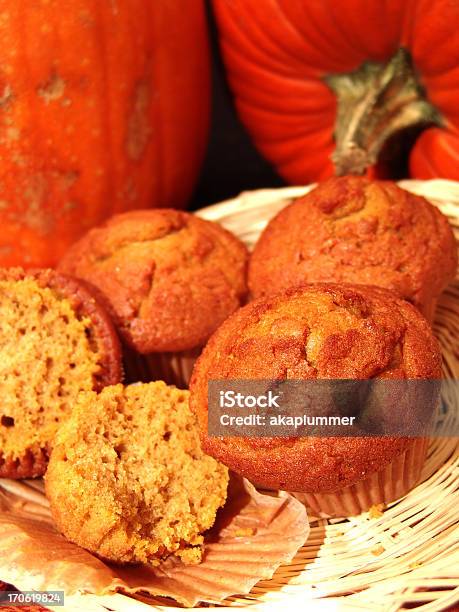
(46, 359)
(128, 479)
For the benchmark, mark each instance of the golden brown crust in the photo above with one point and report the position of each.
(351, 229)
(168, 277)
(102, 334)
(320, 331)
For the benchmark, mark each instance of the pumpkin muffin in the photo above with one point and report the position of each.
(168, 277)
(56, 340)
(128, 480)
(351, 229)
(321, 331)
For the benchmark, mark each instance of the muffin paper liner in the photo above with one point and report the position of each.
(172, 368)
(253, 535)
(385, 486)
(429, 310)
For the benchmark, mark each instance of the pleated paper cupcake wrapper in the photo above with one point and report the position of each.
(429, 310)
(381, 487)
(172, 368)
(253, 535)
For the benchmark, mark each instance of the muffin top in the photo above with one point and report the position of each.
(351, 229)
(55, 342)
(168, 277)
(128, 496)
(320, 331)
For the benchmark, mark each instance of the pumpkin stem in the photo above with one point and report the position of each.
(374, 102)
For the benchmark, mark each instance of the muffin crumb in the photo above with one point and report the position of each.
(376, 511)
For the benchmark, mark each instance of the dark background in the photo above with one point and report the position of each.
(232, 164)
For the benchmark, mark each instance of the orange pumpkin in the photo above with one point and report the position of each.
(324, 86)
(104, 107)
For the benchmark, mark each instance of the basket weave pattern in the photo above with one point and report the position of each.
(409, 555)
(404, 556)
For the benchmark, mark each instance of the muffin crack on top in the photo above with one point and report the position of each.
(317, 331)
(351, 229)
(126, 243)
(355, 329)
(168, 277)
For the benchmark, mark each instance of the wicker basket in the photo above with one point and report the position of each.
(406, 556)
